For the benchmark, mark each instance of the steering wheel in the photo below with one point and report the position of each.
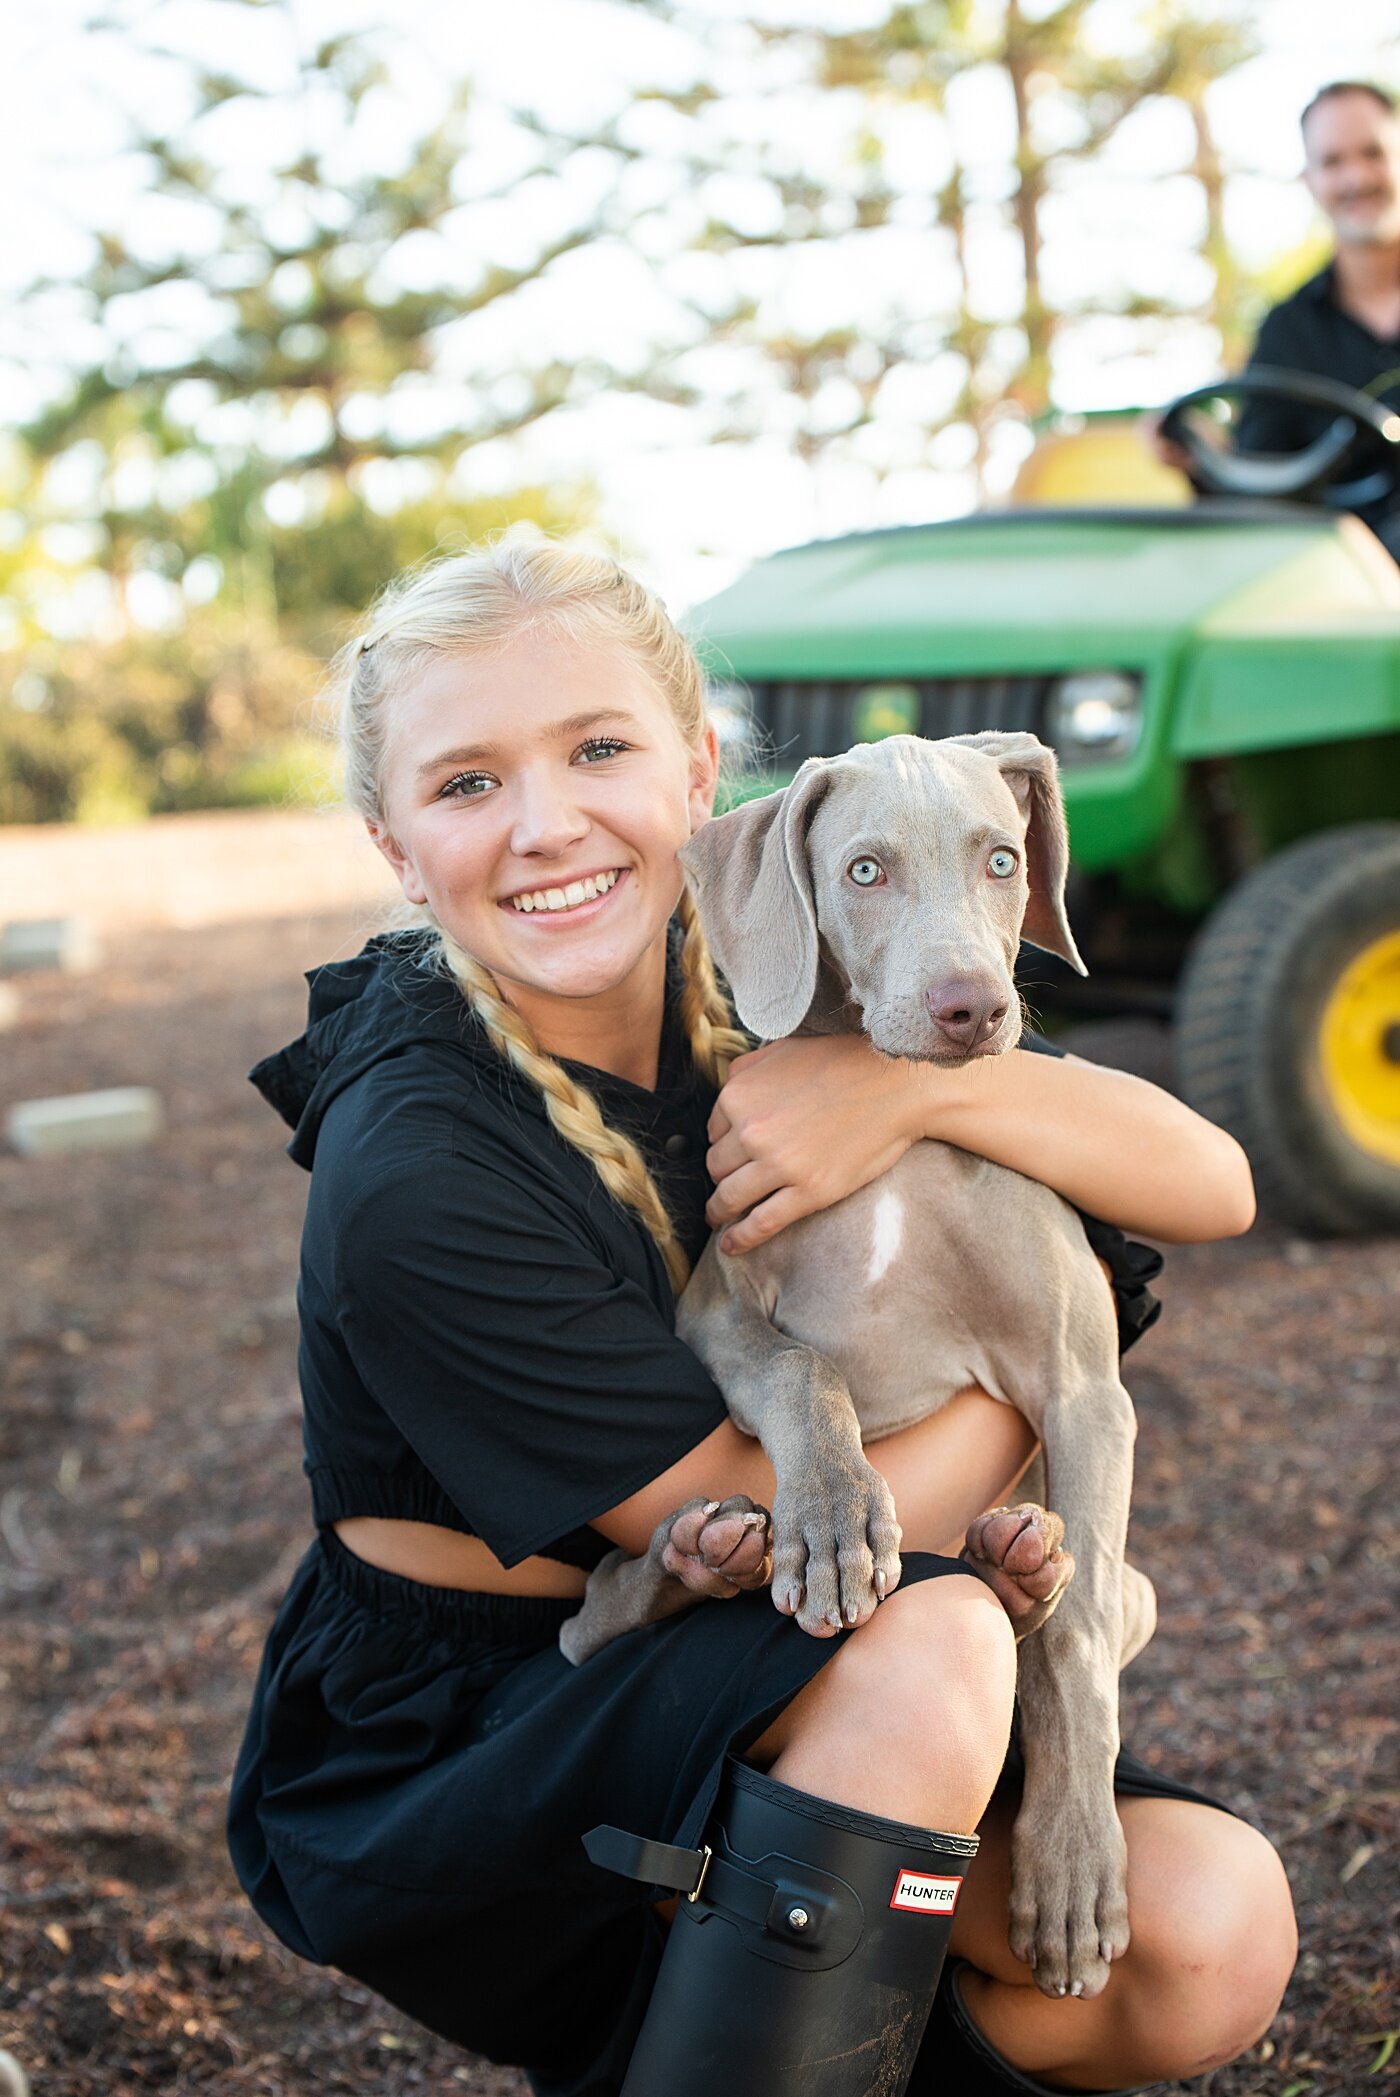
(1356, 459)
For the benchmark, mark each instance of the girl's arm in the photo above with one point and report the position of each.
(802, 1123)
(943, 1471)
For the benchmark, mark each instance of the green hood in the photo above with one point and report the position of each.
(1041, 590)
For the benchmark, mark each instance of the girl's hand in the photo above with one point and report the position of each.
(801, 1124)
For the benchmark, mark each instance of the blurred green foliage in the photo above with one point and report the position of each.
(151, 723)
(203, 510)
(279, 395)
(225, 709)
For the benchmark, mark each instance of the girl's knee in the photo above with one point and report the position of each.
(910, 1718)
(949, 1639)
(1214, 1943)
(1246, 1942)
(940, 1672)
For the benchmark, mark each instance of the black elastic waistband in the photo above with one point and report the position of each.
(448, 1611)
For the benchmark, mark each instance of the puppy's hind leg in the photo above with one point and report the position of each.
(1069, 1917)
(1019, 1552)
(706, 1550)
(1139, 1613)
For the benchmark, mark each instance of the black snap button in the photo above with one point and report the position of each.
(677, 1146)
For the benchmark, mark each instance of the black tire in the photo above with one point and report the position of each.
(1249, 1011)
(1142, 1047)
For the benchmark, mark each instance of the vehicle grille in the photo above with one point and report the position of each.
(813, 718)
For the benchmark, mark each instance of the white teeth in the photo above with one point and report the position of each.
(585, 891)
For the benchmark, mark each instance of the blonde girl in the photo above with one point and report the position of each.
(508, 1113)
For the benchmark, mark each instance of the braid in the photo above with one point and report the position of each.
(572, 1109)
(709, 1024)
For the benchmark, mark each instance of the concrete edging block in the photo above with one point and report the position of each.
(119, 1119)
(68, 944)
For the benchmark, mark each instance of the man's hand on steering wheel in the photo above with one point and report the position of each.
(1355, 460)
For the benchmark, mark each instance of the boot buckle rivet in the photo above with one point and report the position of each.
(798, 1918)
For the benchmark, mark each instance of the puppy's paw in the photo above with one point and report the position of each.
(717, 1548)
(1019, 1552)
(1069, 1896)
(837, 1552)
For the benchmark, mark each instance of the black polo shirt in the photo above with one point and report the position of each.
(1310, 332)
(487, 1336)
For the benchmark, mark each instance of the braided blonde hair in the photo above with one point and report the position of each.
(477, 603)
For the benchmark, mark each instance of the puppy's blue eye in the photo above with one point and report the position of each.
(866, 873)
(1003, 865)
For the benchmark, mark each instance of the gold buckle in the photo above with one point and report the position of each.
(706, 1853)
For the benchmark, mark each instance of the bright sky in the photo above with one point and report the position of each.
(692, 512)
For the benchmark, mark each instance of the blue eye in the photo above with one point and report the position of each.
(866, 873)
(465, 786)
(600, 746)
(1003, 865)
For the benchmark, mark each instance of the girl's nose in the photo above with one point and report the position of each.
(547, 819)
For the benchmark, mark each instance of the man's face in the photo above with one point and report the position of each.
(1353, 168)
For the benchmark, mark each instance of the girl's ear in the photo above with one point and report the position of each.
(704, 778)
(404, 869)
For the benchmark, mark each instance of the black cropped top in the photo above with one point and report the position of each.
(487, 1336)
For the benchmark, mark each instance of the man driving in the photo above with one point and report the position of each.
(1344, 323)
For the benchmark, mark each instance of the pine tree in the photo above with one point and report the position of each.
(1072, 77)
(271, 428)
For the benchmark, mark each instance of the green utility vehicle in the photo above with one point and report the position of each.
(1221, 682)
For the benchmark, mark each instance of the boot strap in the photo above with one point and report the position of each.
(654, 1863)
(799, 1906)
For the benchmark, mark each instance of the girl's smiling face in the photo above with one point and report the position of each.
(511, 778)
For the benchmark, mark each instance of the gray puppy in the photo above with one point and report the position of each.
(887, 891)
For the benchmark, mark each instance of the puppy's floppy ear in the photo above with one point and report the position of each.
(753, 888)
(1031, 770)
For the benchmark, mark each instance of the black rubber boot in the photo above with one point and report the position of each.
(804, 1957)
(955, 2059)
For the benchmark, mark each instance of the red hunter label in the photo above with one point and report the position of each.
(919, 1894)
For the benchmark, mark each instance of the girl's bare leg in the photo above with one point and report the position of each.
(859, 1733)
(1213, 1944)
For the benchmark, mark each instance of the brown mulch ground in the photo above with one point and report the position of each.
(151, 1507)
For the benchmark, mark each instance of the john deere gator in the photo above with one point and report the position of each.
(1221, 681)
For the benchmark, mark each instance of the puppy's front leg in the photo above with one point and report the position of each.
(835, 1537)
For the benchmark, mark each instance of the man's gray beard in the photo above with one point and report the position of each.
(1383, 232)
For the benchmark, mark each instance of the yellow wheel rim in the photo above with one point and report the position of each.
(1359, 1042)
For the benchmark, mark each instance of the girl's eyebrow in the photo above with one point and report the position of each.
(558, 730)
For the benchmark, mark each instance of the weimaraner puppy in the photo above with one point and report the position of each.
(886, 891)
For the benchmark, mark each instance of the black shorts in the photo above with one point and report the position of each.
(419, 1766)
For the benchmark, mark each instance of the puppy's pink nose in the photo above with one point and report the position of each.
(965, 1012)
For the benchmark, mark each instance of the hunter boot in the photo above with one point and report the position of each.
(806, 1950)
(955, 2060)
